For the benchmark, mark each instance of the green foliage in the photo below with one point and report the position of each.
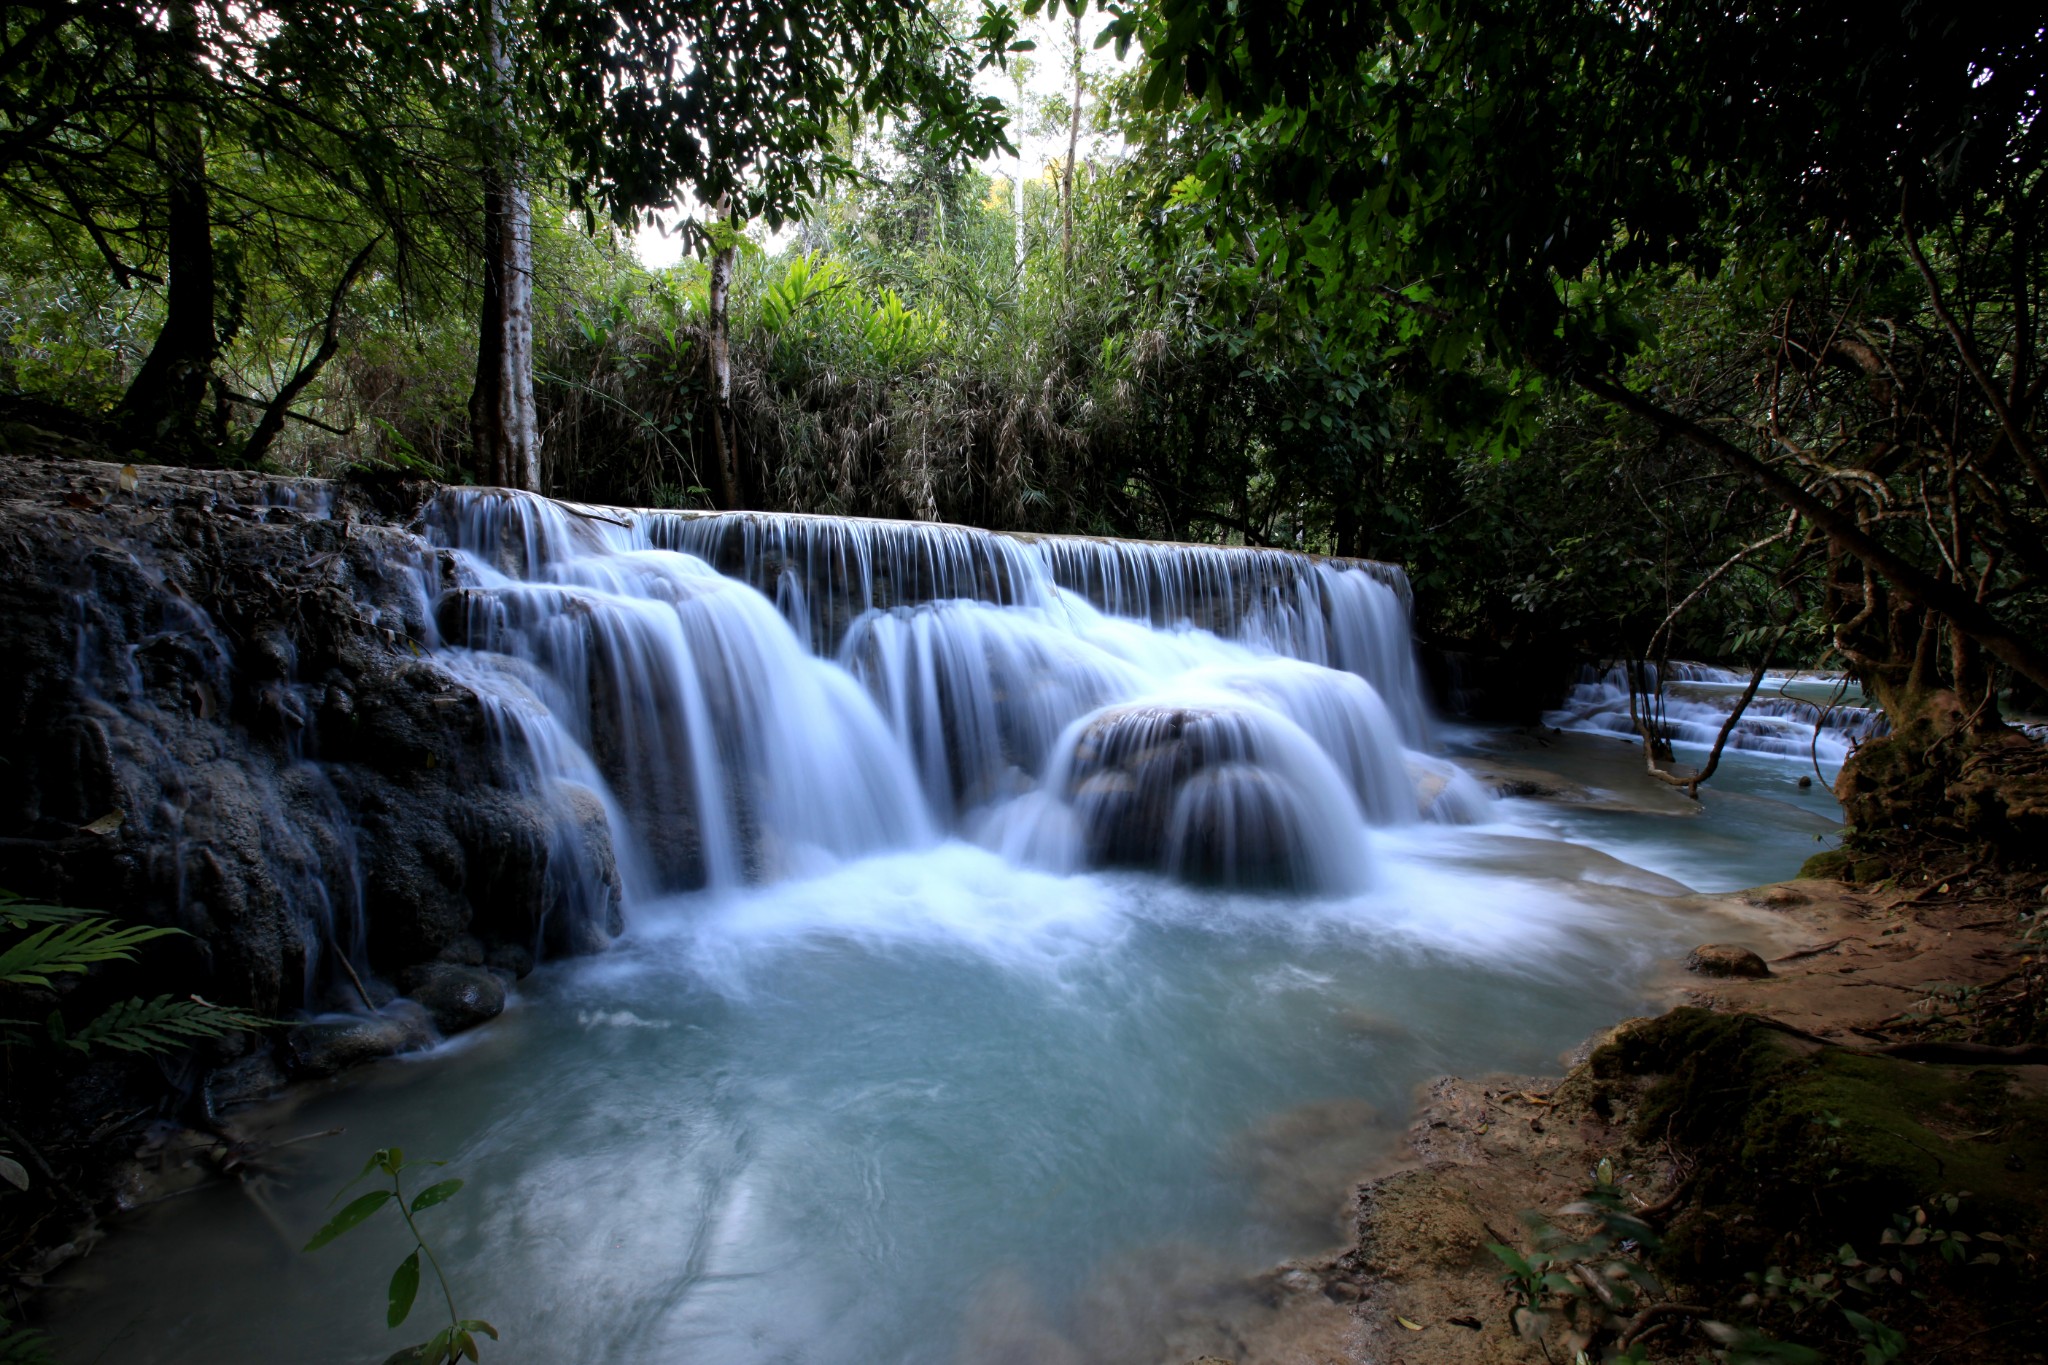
(159, 1025)
(22, 1346)
(452, 1343)
(73, 944)
(1591, 1283)
(57, 941)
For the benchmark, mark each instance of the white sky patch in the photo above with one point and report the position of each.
(1044, 147)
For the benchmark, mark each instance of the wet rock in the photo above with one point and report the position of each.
(456, 997)
(1725, 959)
(243, 1081)
(1175, 789)
(509, 959)
(465, 950)
(217, 675)
(327, 1046)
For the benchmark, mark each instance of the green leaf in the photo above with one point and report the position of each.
(72, 947)
(19, 1346)
(1512, 1259)
(436, 1194)
(164, 1024)
(13, 1172)
(351, 1216)
(405, 1287)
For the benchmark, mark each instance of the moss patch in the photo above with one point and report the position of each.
(1799, 1148)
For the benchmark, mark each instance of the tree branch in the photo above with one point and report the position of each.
(2019, 653)
(2014, 432)
(279, 408)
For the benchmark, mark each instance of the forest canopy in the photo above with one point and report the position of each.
(1629, 330)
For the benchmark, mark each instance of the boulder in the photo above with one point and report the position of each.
(218, 716)
(335, 1043)
(455, 996)
(1725, 959)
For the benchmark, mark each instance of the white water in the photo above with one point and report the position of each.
(912, 682)
(1026, 941)
(1818, 720)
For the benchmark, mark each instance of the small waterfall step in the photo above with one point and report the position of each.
(764, 695)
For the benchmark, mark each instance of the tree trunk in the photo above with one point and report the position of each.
(503, 421)
(1073, 149)
(718, 357)
(160, 411)
(2010, 646)
(490, 346)
(1017, 219)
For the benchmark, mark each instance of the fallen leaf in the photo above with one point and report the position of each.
(107, 825)
(82, 501)
(1411, 1326)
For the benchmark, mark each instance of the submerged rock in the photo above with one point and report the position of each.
(457, 997)
(1725, 959)
(1212, 795)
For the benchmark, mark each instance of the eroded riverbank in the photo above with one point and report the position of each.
(1836, 1022)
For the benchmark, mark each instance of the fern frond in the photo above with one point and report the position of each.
(73, 946)
(20, 1346)
(161, 1025)
(17, 912)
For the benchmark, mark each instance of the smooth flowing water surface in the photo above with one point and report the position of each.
(1025, 942)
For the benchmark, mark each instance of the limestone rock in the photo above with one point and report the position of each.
(217, 717)
(457, 997)
(329, 1045)
(1725, 959)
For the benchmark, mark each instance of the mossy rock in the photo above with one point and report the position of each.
(1842, 866)
(1832, 865)
(1825, 1144)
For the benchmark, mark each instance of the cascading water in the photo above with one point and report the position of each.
(1027, 940)
(909, 680)
(1819, 719)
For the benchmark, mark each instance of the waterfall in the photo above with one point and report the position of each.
(1792, 715)
(752, 696)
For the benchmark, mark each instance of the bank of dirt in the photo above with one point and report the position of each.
(1825, 1163)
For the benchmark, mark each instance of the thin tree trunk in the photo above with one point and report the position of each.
(490, 346)
(503, 421)
(1017, 185)
(162, 405)
(280, 407)
(718, 356)
(1073, 149)
(518, 418)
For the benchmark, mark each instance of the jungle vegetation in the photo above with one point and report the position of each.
(1631, 330)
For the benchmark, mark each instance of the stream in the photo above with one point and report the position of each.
(1026, 942)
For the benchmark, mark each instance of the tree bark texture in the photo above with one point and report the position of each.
(718, 358)
(160, 411)
(504, 422)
